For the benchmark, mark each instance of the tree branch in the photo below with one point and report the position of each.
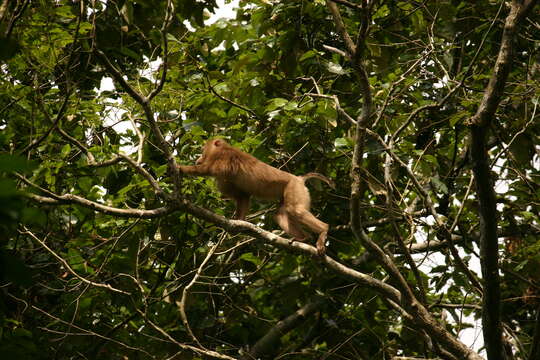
(239, 226)
(169, 15)
(229, 101)
(197, 350)
(340, 27)
(417, 312)
(431, 208)
(55, 199)
(535, 345)
(149, 114)
(84, 331)
(54, 123)
(68, 268)
(339, 109)
(109, 210)
(348, 4)
(420, 315)
(479, 124)
(185, 292)
(153, 182)
(232, 226)
(267, 344)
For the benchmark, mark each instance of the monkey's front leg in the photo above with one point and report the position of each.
(321, 246)
(242, 207)
(197, 170)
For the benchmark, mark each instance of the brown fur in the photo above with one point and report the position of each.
(240, 176)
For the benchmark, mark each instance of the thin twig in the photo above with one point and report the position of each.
(87, 332)
(185, 292)
(55, 199)
(53, 126)
(68, 268)
(229, 101)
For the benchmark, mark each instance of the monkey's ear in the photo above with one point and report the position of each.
(218, 142)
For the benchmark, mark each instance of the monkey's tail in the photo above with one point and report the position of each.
(321, 177)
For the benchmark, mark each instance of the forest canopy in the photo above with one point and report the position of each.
(423, 113)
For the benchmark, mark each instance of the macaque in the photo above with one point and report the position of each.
(240, 176)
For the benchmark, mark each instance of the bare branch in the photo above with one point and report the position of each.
(68, 268)
(340, 27)
(87, 332)
(165, 45)
(431, 208)
(106, 163)
(109, 210)
(535, 345)
(185, 292)
(229, 101)
(390, 203)
(77, 143)
(507, 146)
(394, 85)
(348, 4)
(54, 199)
(337, 51)
(457, 306)
(267, 343)
(153, 182)
(197, 350)
(149, 114)
(141, 137)
(121, 157)
(432, 106)
(117, 75)
(339, 109)
(54, 124)
(479, 124)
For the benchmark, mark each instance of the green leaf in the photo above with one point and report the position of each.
(440, 187)
(431, 159)
(291, 105)
(250, 258)
(14, 269)
(462, 115)
(342, 143)
(132, 54)
(308, 55)
(65, 150)
(521, 265)
(336, 68)
(8, 188)
(12, 163)
(382, 11)
(276, 103)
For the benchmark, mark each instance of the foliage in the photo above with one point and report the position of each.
(91, 248)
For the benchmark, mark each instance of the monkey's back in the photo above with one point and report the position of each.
(259, 179)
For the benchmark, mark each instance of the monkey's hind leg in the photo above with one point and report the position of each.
(289, 225)
(242, 207)
(296, 202)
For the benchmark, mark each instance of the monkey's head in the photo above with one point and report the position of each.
(211, 148)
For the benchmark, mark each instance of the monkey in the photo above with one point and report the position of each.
(240, 176)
